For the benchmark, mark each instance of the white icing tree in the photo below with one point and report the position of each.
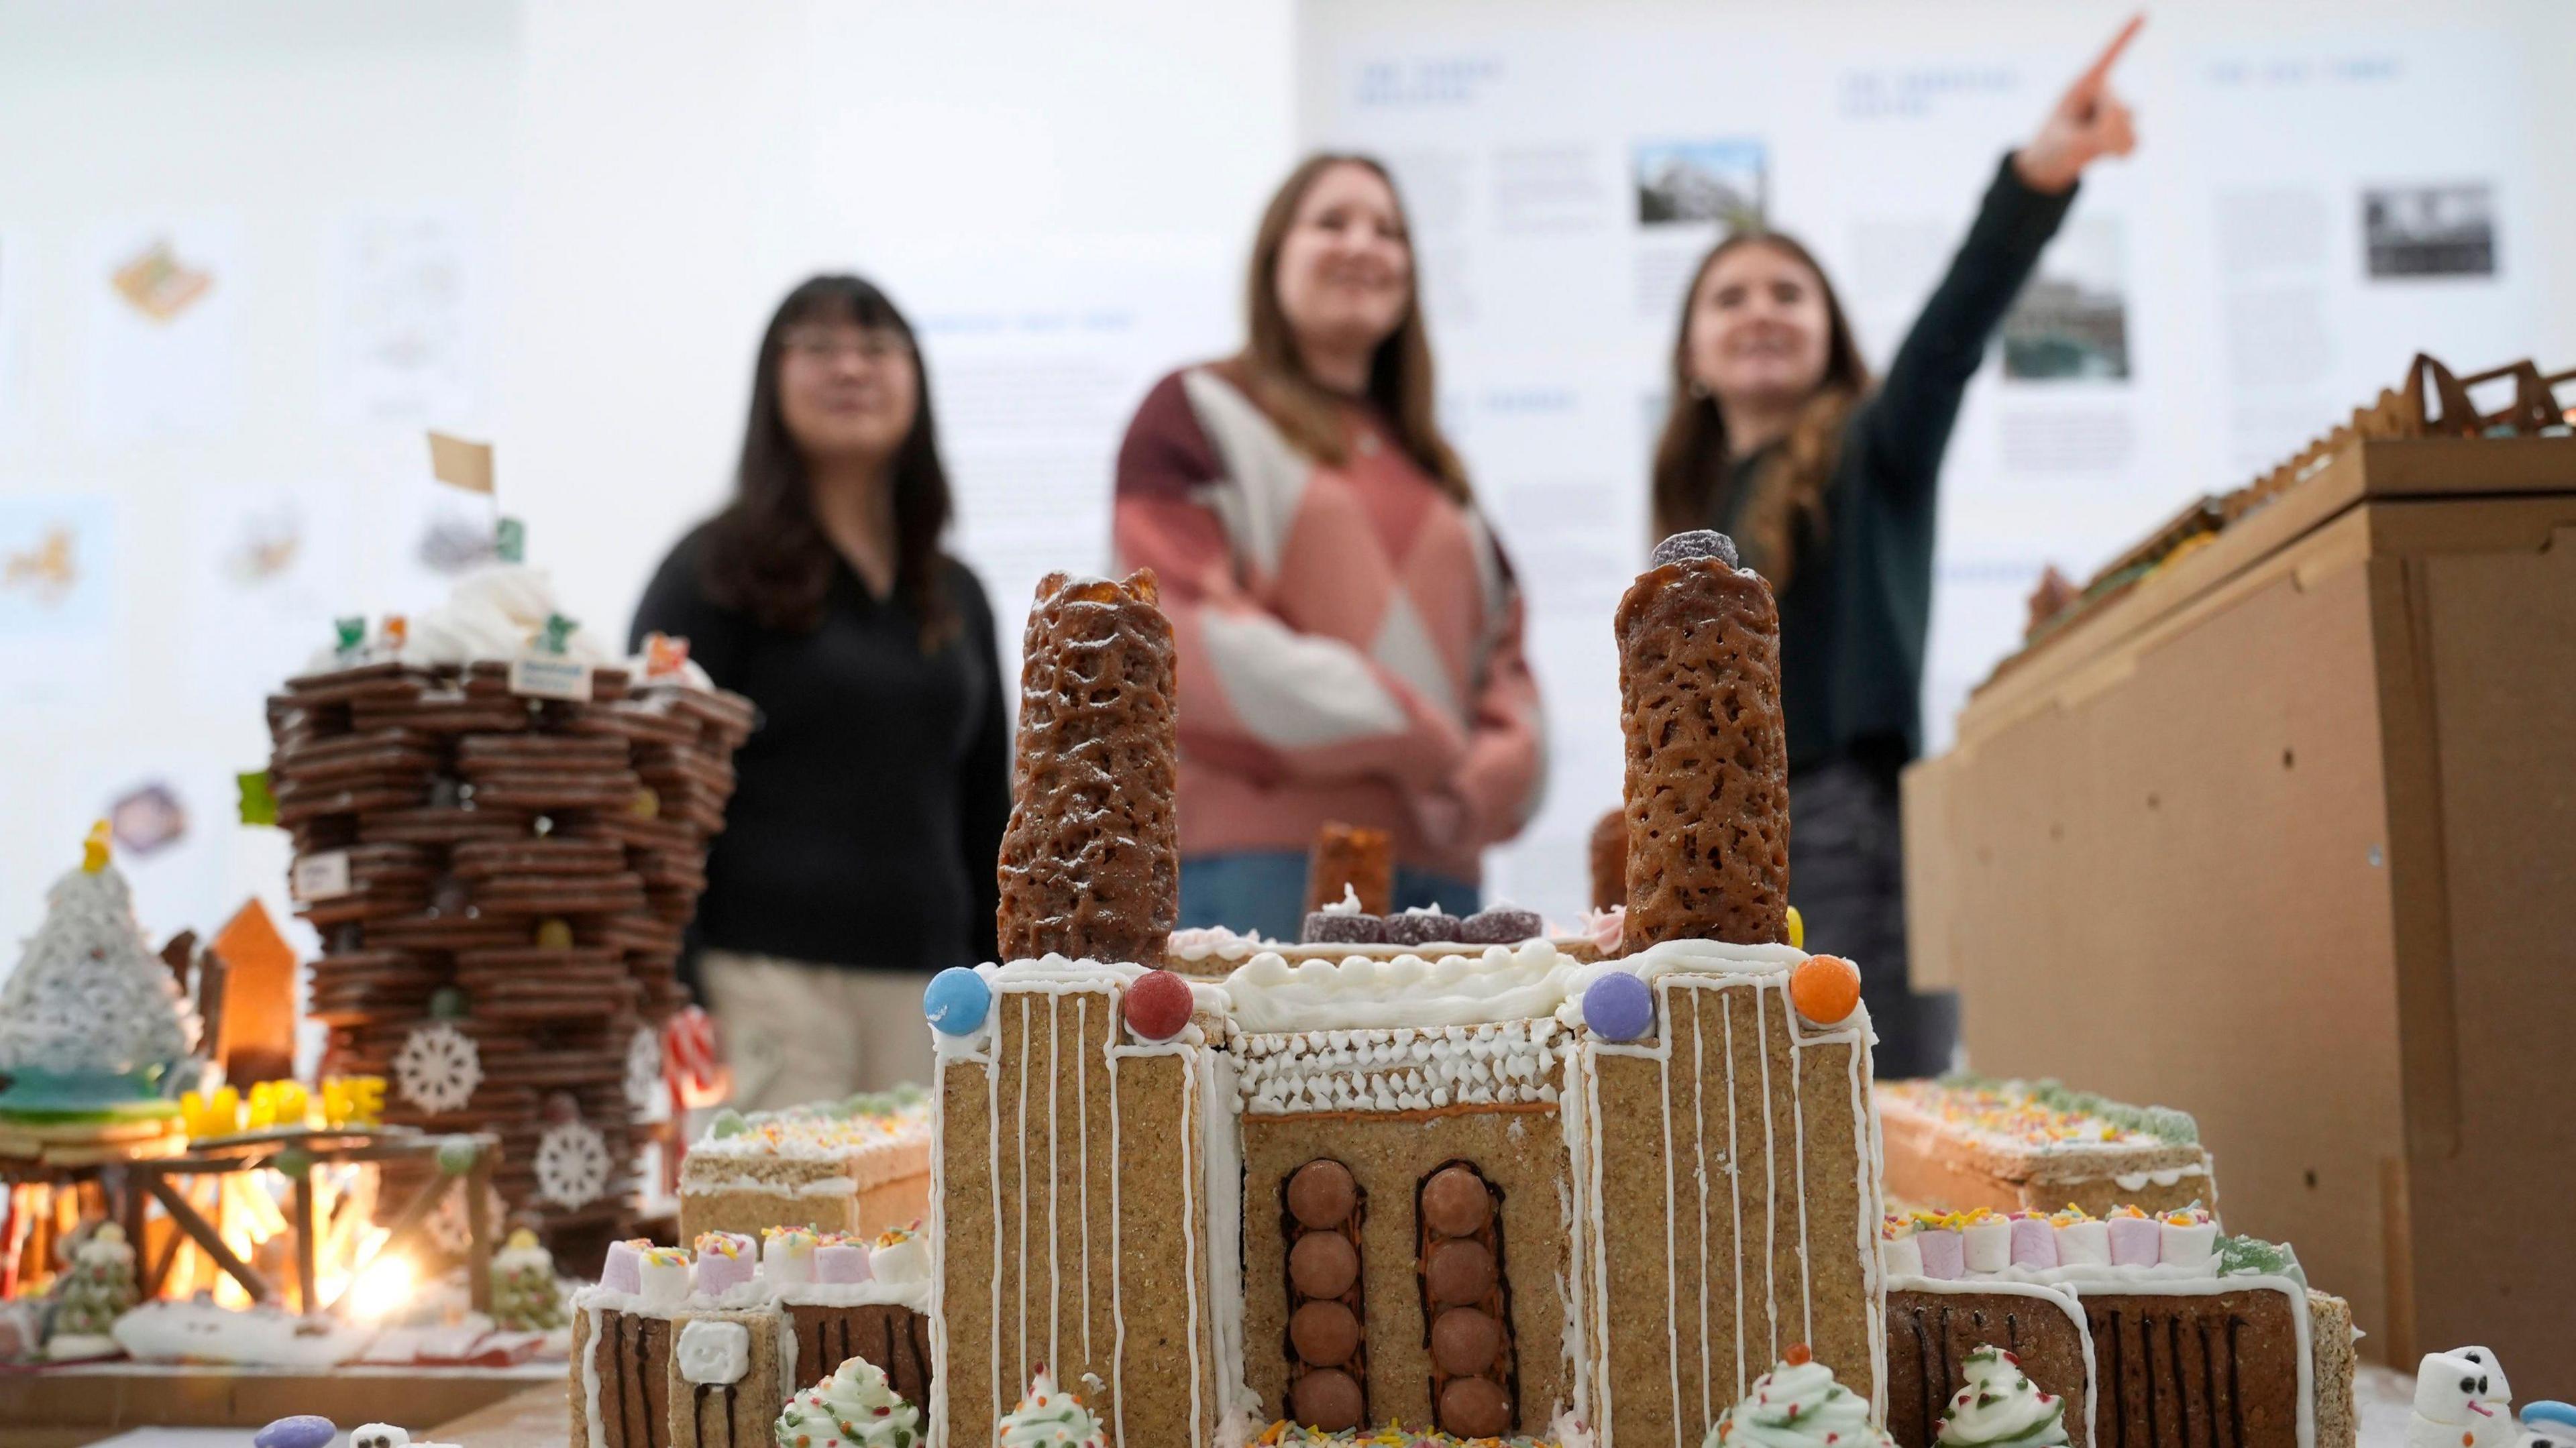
(89, 995)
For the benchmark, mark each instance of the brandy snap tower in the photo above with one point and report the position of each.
(1069, 1178)
(1491, 1191)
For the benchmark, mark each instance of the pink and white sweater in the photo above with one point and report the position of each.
(1350, 637)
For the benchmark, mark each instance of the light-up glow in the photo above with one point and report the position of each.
(385, 1286)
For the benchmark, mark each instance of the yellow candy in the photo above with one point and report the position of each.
(554, 935)
(1797, 930)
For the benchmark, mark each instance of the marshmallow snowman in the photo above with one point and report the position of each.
(378, 1435)
(2460, 1402)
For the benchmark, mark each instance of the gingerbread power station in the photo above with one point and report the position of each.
(1490, 1191)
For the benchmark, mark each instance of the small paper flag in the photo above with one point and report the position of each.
(461, 464)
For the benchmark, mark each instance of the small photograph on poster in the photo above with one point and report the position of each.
(1700, 181)
(164, 329)
(271, 564)
(57, 599)
(398, 314)
(148, 818)
(2071, 322)
(2442, 230)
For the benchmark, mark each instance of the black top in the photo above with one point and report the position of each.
(868, 809)
(1853, 619)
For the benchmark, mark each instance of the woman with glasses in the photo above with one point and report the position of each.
(858, 850)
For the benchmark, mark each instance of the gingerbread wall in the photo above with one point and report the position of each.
(1519, 1150)
(1726, 1172)
(1070, 1197)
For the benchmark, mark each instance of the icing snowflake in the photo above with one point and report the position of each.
(644, 1069)
(438, 1068)
(572, 1164)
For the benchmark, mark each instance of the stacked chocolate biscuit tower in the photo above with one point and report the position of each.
(501, 879)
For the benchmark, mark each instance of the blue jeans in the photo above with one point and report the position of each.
(1265, 891)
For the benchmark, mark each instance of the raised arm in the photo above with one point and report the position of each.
(1258, 696)
(1907, 425)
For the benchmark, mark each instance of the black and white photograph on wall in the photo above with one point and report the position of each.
(2072, 320)
(1700, 181)
(2445, 230)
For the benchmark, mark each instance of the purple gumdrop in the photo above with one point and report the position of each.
(1697, 543)
(1342, 927)
(1502, 925)
(1422, 928)
(304, 1430)
(1619, 1007)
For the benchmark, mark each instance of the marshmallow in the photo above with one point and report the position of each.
(787, 1258)
(2034, 1243)
(1988, 1244)
(903, 1261)
(2136, 1241)
(665, 1276)
(1901, 1256)
(725, 1261)
(1944, 1254)
(2193, 1245)
(841, 1262)
(618, 1273)
(2084, 1244)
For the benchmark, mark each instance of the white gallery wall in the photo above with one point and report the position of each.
(250, 249)
(2211, 303)
(594, 208)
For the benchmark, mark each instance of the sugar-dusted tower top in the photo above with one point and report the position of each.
(1708, 753)
(1090, 864)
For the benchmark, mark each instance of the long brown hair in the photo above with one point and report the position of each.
(766, 553)
(1399, 381)
(1786, 497)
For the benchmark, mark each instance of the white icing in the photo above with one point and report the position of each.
(254, 1336)
(2000, 1404)
(494, 613)
(1798, 1405)
(1049, 1418)
(1499, 984)
(713, 1351)
(2138, 1181)
(1399, 1069)
(855, 1407)
(835, 1186)
(1349, 904)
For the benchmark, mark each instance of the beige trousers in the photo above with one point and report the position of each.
(795, 1032)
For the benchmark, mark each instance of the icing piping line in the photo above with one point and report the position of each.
(1735, 1191)
(1798, 1134)
(1699, 1153)
(1082, 1108)
(1055, 1186)
(1771, 1189)
(1672, 1209)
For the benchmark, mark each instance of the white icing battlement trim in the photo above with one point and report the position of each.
(1501, 1063)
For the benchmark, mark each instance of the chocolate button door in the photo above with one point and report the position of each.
(1321, 1206)
(1474, 1384)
